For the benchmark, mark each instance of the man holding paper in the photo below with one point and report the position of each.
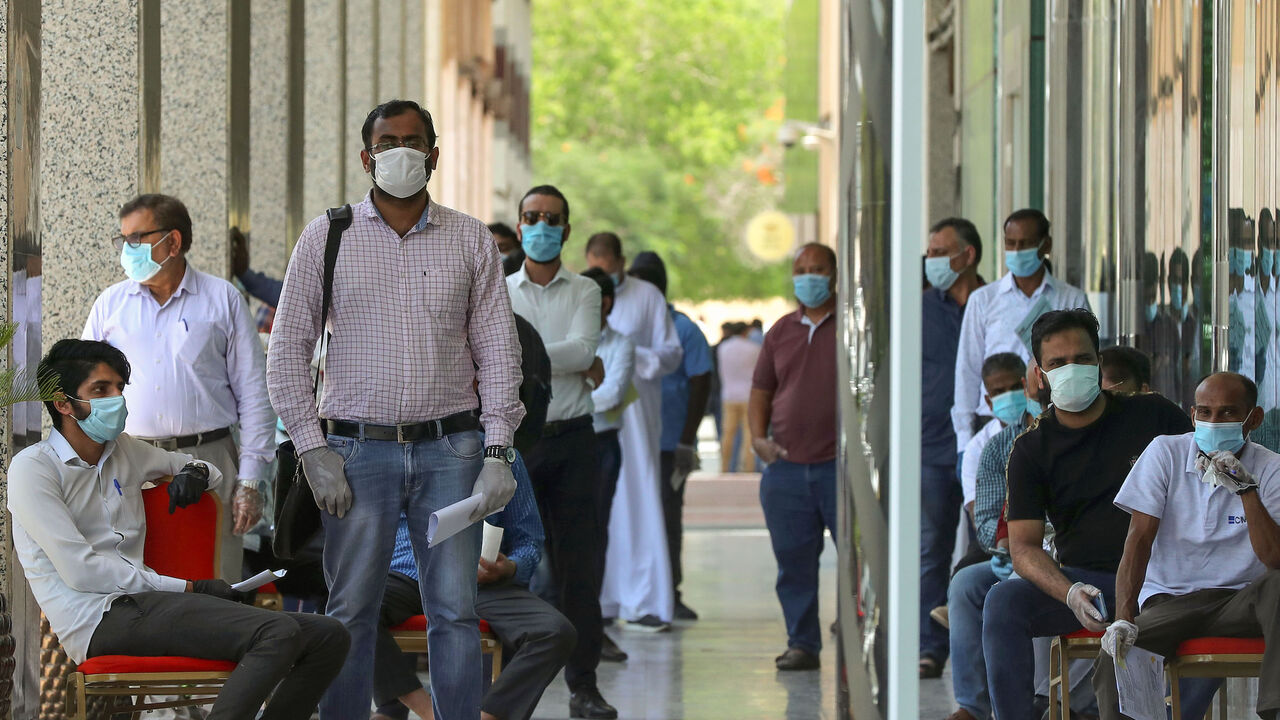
(1203, 547)
(541, 636)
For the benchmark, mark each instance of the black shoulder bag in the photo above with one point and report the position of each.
(297, 517)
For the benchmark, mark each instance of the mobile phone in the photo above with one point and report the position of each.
(1101, 603)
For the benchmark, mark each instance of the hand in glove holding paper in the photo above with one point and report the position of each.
(496, 484)
(1231, 474)
(1080, 600)
(1118, 638)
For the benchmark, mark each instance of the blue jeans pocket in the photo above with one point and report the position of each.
(344, 446)
(466, 445)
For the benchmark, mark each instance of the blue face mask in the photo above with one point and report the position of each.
(106, 417)
(616, 278)
(1033, 408)
(541, 242)
(137, 263)
(1266, 261)
(1023, 263)
(1009, 406)
(811, 290)
(1240, 261)
(1073, 388)
(1276, 267)
(939, 273)
(1211, 437)
(1151, 312)
(1175, 295)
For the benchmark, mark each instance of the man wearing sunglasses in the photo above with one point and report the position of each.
(421, 399)
(564, 307)
(199, 368)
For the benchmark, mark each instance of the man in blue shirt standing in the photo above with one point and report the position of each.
(684, 402)
(951, 266)
(541, 636)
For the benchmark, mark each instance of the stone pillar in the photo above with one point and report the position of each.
(193, 126)
(269, 162)
(364, 29)
(325, 103)
(415, 52)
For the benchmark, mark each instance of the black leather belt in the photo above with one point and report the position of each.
(406, 432)
(186, 441)
(560, 427)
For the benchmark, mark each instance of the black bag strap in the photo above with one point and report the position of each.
(339, 221)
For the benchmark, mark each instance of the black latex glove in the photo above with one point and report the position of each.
(218, 589)
(188, 485)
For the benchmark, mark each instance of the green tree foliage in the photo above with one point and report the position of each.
(651, 116)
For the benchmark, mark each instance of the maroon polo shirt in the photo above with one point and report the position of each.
(801, 374)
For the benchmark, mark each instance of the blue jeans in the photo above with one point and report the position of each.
(799, 503)
(940, 500)
(964, 610)
(1017, 611)
(419, 478)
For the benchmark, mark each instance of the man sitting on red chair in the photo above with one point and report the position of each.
(79, 527)
(541, 637)
(1203, 548)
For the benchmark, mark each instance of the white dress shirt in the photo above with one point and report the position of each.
(566, 313)
(197, 363)
(618, 354)
(1203, 540)
(736, 359)
(991, 318)
(78, 529)
(973, 457)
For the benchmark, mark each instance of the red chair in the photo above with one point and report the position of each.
(411, 636)
(189, 550)
(1081, 644)
(1213, 657)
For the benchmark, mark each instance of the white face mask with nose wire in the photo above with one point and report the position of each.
(400, 172)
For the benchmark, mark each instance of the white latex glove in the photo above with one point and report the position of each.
(1118, 638)
(686, 461)
(1231, 474)
(1080, 600)
(768, 450)
(328, 482)
(246, 509)
(496, 483)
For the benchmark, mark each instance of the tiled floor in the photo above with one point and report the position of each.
(722, 665)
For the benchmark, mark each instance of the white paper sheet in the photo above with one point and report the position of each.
(258, 580)
(491, 543)
(1140, 684)
(449, 521)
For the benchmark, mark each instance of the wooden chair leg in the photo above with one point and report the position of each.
(1222, 700)
(1064, 690)
(497, 664)
(1175, 696)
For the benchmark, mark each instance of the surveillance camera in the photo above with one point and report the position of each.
(788, 135)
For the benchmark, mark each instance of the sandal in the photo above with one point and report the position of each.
(930, 669)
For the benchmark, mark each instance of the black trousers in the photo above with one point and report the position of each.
(295, 654)
(536, 641)
(673, 513)
(563, 470)
(609, 450)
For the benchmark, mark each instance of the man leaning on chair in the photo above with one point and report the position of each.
(79, 526)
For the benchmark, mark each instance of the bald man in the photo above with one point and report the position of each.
(792, 415)
(1203, 547)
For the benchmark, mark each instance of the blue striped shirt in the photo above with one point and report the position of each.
(522, 535)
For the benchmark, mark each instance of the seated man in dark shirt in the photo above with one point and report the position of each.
(1067, 469)
(540, 636)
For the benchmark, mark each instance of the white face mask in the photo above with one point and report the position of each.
(400, 171)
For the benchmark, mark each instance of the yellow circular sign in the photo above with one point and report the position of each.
(771, 236)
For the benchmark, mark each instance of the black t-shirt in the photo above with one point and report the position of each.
(1072, 475)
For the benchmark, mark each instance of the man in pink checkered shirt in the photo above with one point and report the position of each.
(419, 312)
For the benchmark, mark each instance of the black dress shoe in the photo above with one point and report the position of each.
(610, 652)
(684, 612)
(588, 704)
(797, 659)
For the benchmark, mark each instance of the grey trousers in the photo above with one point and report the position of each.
(536, 638)
(1165, 621)
(294, 654)
(226, 457)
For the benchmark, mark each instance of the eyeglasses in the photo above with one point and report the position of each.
(413, 143)
(531, 217)
(135, 239)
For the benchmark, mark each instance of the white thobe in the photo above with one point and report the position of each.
(637, 576)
